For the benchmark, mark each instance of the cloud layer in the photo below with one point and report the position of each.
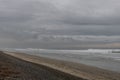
(39, 23)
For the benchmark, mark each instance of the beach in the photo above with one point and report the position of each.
(12, 68)
(55, 69)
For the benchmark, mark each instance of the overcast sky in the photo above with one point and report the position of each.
(60, 24)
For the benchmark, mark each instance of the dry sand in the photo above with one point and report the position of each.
(75, 69)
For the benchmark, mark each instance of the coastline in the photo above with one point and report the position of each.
(12, 68)
(75, 69)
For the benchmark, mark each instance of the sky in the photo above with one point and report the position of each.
(60, 24)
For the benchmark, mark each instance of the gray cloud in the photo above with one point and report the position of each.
(28, 23)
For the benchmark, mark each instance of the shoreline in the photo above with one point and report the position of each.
(75, 69)
(12, 68)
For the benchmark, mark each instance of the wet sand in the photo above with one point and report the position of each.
(72, 71)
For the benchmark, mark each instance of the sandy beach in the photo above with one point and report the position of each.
(55, 69)
(12, 68)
